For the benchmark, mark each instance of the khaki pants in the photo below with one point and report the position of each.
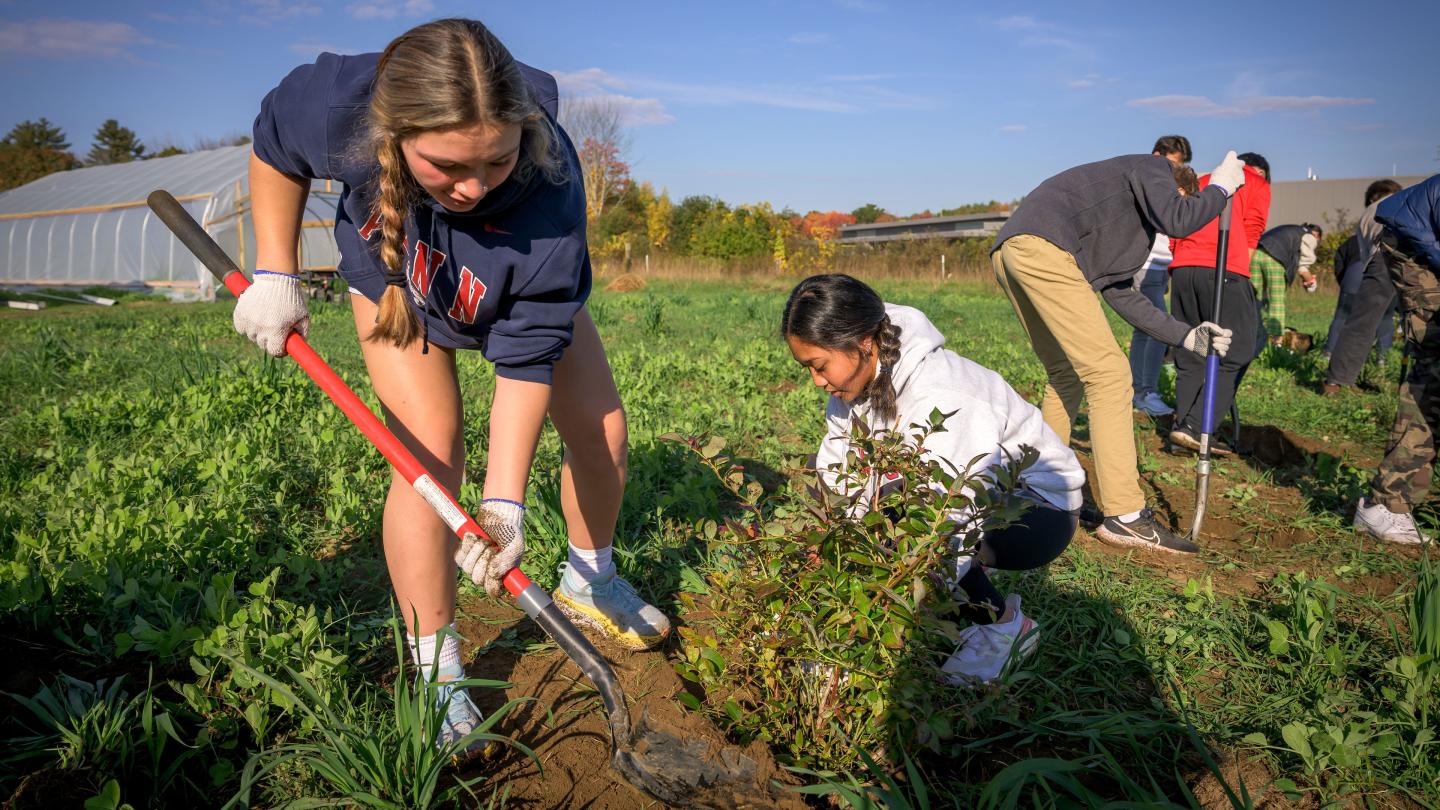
(1067, 327)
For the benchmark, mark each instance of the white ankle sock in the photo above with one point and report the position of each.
(591, 565)
(1132, 517)
(424, 653)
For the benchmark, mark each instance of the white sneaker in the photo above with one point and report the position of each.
(985, 649)
(1392, 527)
(1151, 403)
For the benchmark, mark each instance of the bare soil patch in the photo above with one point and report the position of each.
(565, 724)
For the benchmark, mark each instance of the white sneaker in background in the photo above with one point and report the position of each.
(1151, 403)
(1392, 527)
(986, 648)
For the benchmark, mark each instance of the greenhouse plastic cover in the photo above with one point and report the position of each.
(91, 226)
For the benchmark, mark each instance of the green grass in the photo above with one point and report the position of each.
(172, 502)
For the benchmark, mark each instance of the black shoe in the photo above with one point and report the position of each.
(1143, 532)
(1090, 516)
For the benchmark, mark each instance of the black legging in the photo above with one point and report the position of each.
(1038, 537)
(1192, 300)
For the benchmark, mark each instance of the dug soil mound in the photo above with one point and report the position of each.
(1253, 524)
(565, 723)
(627, 282)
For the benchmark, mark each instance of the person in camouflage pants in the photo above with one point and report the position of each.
(1403, 479)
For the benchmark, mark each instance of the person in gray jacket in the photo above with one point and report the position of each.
(1086, 231)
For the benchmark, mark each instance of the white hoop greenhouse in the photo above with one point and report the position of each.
(91, 227)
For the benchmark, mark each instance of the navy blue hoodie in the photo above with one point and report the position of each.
(506, 277)
(1413, 215)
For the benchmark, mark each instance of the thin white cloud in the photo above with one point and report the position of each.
(317, 48)
(862, 77)
(808, 38)
(389, 9)
(1059, 43)
(1034, 33)
(1013, 127)
(1088, 80)
(861, 5)
(70, 39)
(1017, 22)
(635, 112)
(859, 93)
(595, 83)
(1182, 106)
(725, 95)
(589, 80)
(265, 12)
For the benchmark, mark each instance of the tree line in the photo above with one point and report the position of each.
(627, 219)
(34, 149)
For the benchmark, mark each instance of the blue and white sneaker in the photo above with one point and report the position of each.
(462, 717)
(611, 607)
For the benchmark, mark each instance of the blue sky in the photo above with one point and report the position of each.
(809, 105)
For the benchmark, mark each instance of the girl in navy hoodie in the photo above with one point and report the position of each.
(461, 225)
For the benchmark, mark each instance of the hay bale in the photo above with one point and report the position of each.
(628, 282)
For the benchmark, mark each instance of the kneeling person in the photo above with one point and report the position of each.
(886, 366)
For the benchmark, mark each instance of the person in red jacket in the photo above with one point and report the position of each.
(1192, 300)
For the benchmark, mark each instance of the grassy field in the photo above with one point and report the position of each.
(180, 517)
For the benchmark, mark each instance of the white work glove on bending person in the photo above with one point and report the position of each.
(1230, 174)
(485, 564)
(1206, 336)
(267, 311)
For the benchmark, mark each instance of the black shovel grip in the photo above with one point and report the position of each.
(190, 234)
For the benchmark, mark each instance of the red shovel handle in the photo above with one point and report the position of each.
(217, 261)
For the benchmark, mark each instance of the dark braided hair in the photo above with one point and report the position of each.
(837, 312)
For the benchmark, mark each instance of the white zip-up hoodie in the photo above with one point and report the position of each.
(989, 417)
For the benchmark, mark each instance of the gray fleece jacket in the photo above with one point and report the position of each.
(1105, 215)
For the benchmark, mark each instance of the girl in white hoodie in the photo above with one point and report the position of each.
(886, 365)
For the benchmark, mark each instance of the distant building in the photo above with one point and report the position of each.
(987, 224)
(1323, 202)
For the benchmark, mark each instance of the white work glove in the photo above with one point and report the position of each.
(485, 564)
(1230, 174)
(1309, 282)
(272, 307)
(1206, 336)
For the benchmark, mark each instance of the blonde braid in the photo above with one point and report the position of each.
(396, 324)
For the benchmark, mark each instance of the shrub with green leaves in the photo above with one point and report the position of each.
(825, 620)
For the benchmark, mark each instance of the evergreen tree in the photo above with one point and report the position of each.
(115, 144)
(37, 135)
(32, 150)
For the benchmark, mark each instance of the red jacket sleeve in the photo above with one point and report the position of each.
(1256, 193)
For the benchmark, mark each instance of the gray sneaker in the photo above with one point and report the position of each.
(1392, 527)
(613, 608)
(1152, 404)
(462, 717)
